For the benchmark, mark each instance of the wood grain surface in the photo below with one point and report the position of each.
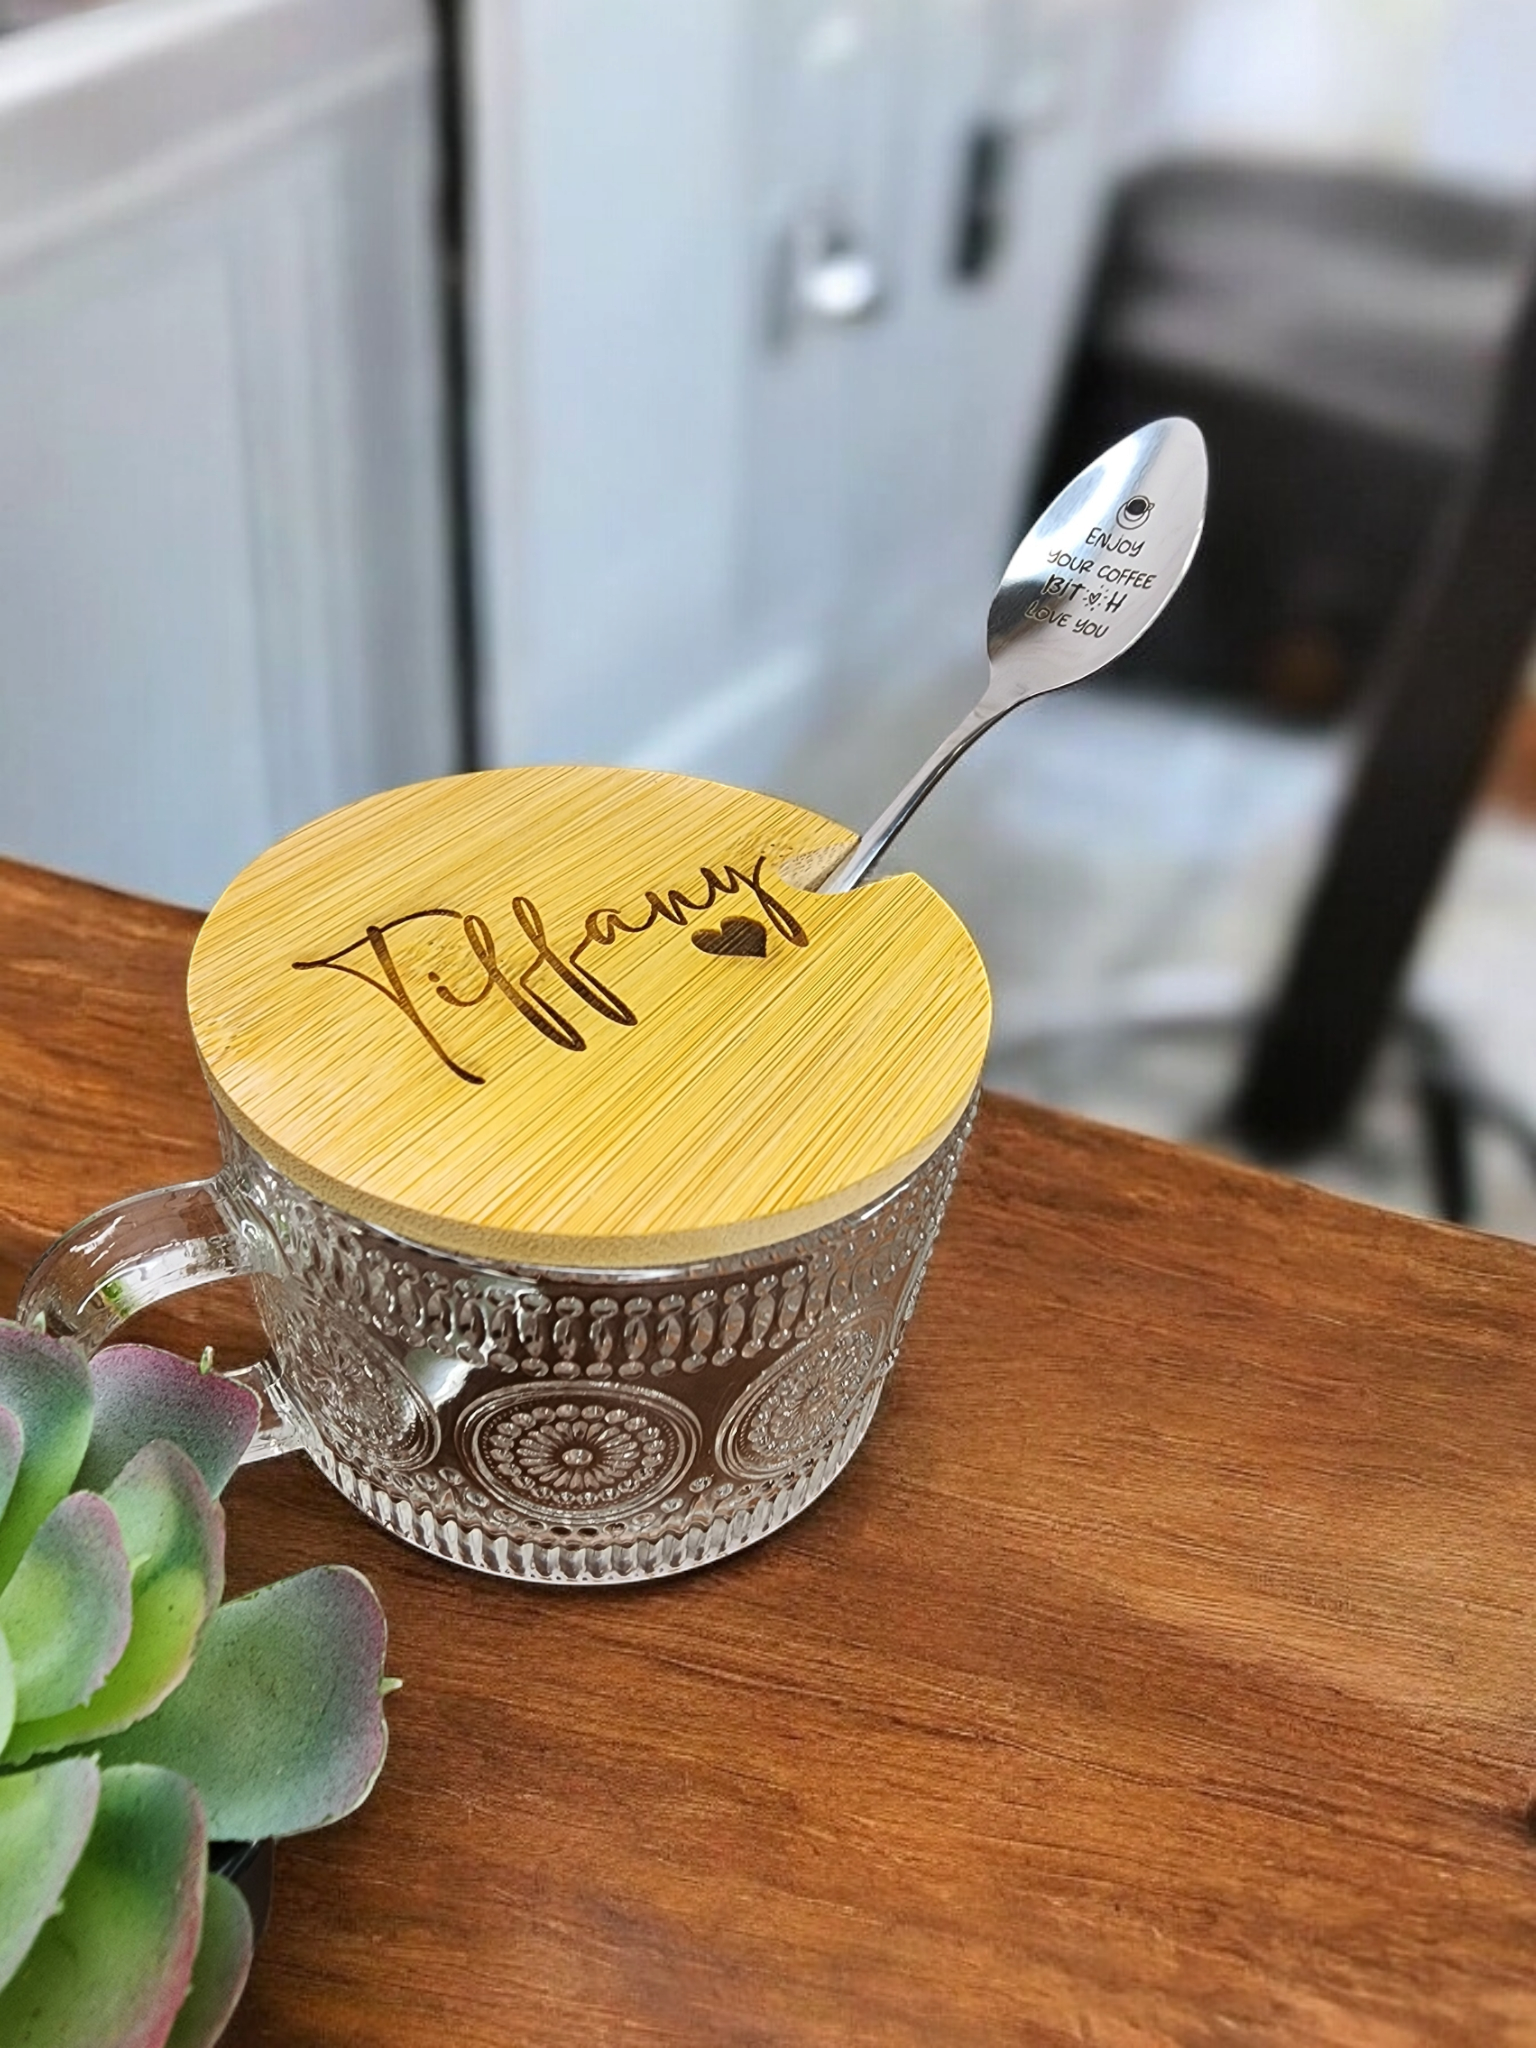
(581, 1017)
(1162, 1670)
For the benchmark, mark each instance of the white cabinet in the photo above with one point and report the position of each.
(223, 601)
(749, 433)
(770, 300)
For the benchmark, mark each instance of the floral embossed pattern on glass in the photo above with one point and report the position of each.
(582, 1429)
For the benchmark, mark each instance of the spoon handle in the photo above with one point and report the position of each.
(869, 848)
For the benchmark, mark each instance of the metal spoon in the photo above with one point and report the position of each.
(1087, 579)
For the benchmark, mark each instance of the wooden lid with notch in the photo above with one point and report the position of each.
(584, 1017)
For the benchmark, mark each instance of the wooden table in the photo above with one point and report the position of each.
(1162, 1670)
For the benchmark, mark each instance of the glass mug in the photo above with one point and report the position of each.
(584, 1229)
(574, 1428)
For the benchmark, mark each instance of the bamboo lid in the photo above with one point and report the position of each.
(584, 1017)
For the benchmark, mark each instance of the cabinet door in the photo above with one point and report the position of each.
(608, 313)
(821, 151)
(929, 177)
(222, 580)
(661, 455)
(1002, 166)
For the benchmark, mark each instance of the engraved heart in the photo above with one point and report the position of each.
(742, 935)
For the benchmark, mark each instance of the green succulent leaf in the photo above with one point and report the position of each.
(114, 1965)
(68, 1608)
(10, 1454)
(47, 1387)
(45, 1819)
(7, 1693)
(280, 1722)
(173, 1532)
(222, 1966)
(144, 1396)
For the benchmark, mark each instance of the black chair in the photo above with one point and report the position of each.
(1436, 700)
(1362, 354)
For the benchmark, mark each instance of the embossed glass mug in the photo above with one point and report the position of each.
(585, 1162)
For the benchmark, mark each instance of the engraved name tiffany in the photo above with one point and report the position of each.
(545, 979)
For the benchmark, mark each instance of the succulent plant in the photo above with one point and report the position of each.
(139, 1717)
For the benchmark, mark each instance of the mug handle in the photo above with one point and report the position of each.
(137, 1252)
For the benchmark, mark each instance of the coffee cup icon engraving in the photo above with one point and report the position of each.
(1134, 512)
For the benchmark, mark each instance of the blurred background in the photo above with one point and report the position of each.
(395, 386)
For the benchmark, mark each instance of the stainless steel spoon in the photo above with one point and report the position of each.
(1087, 579)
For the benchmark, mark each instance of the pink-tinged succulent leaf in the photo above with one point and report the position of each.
(10, 1454)
(112, 1967)
(45, 1819)
(47, 1387)
(67, 1611)
(222, 1966)
(280, 1722)
(173, 1532)
(144, 1395)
